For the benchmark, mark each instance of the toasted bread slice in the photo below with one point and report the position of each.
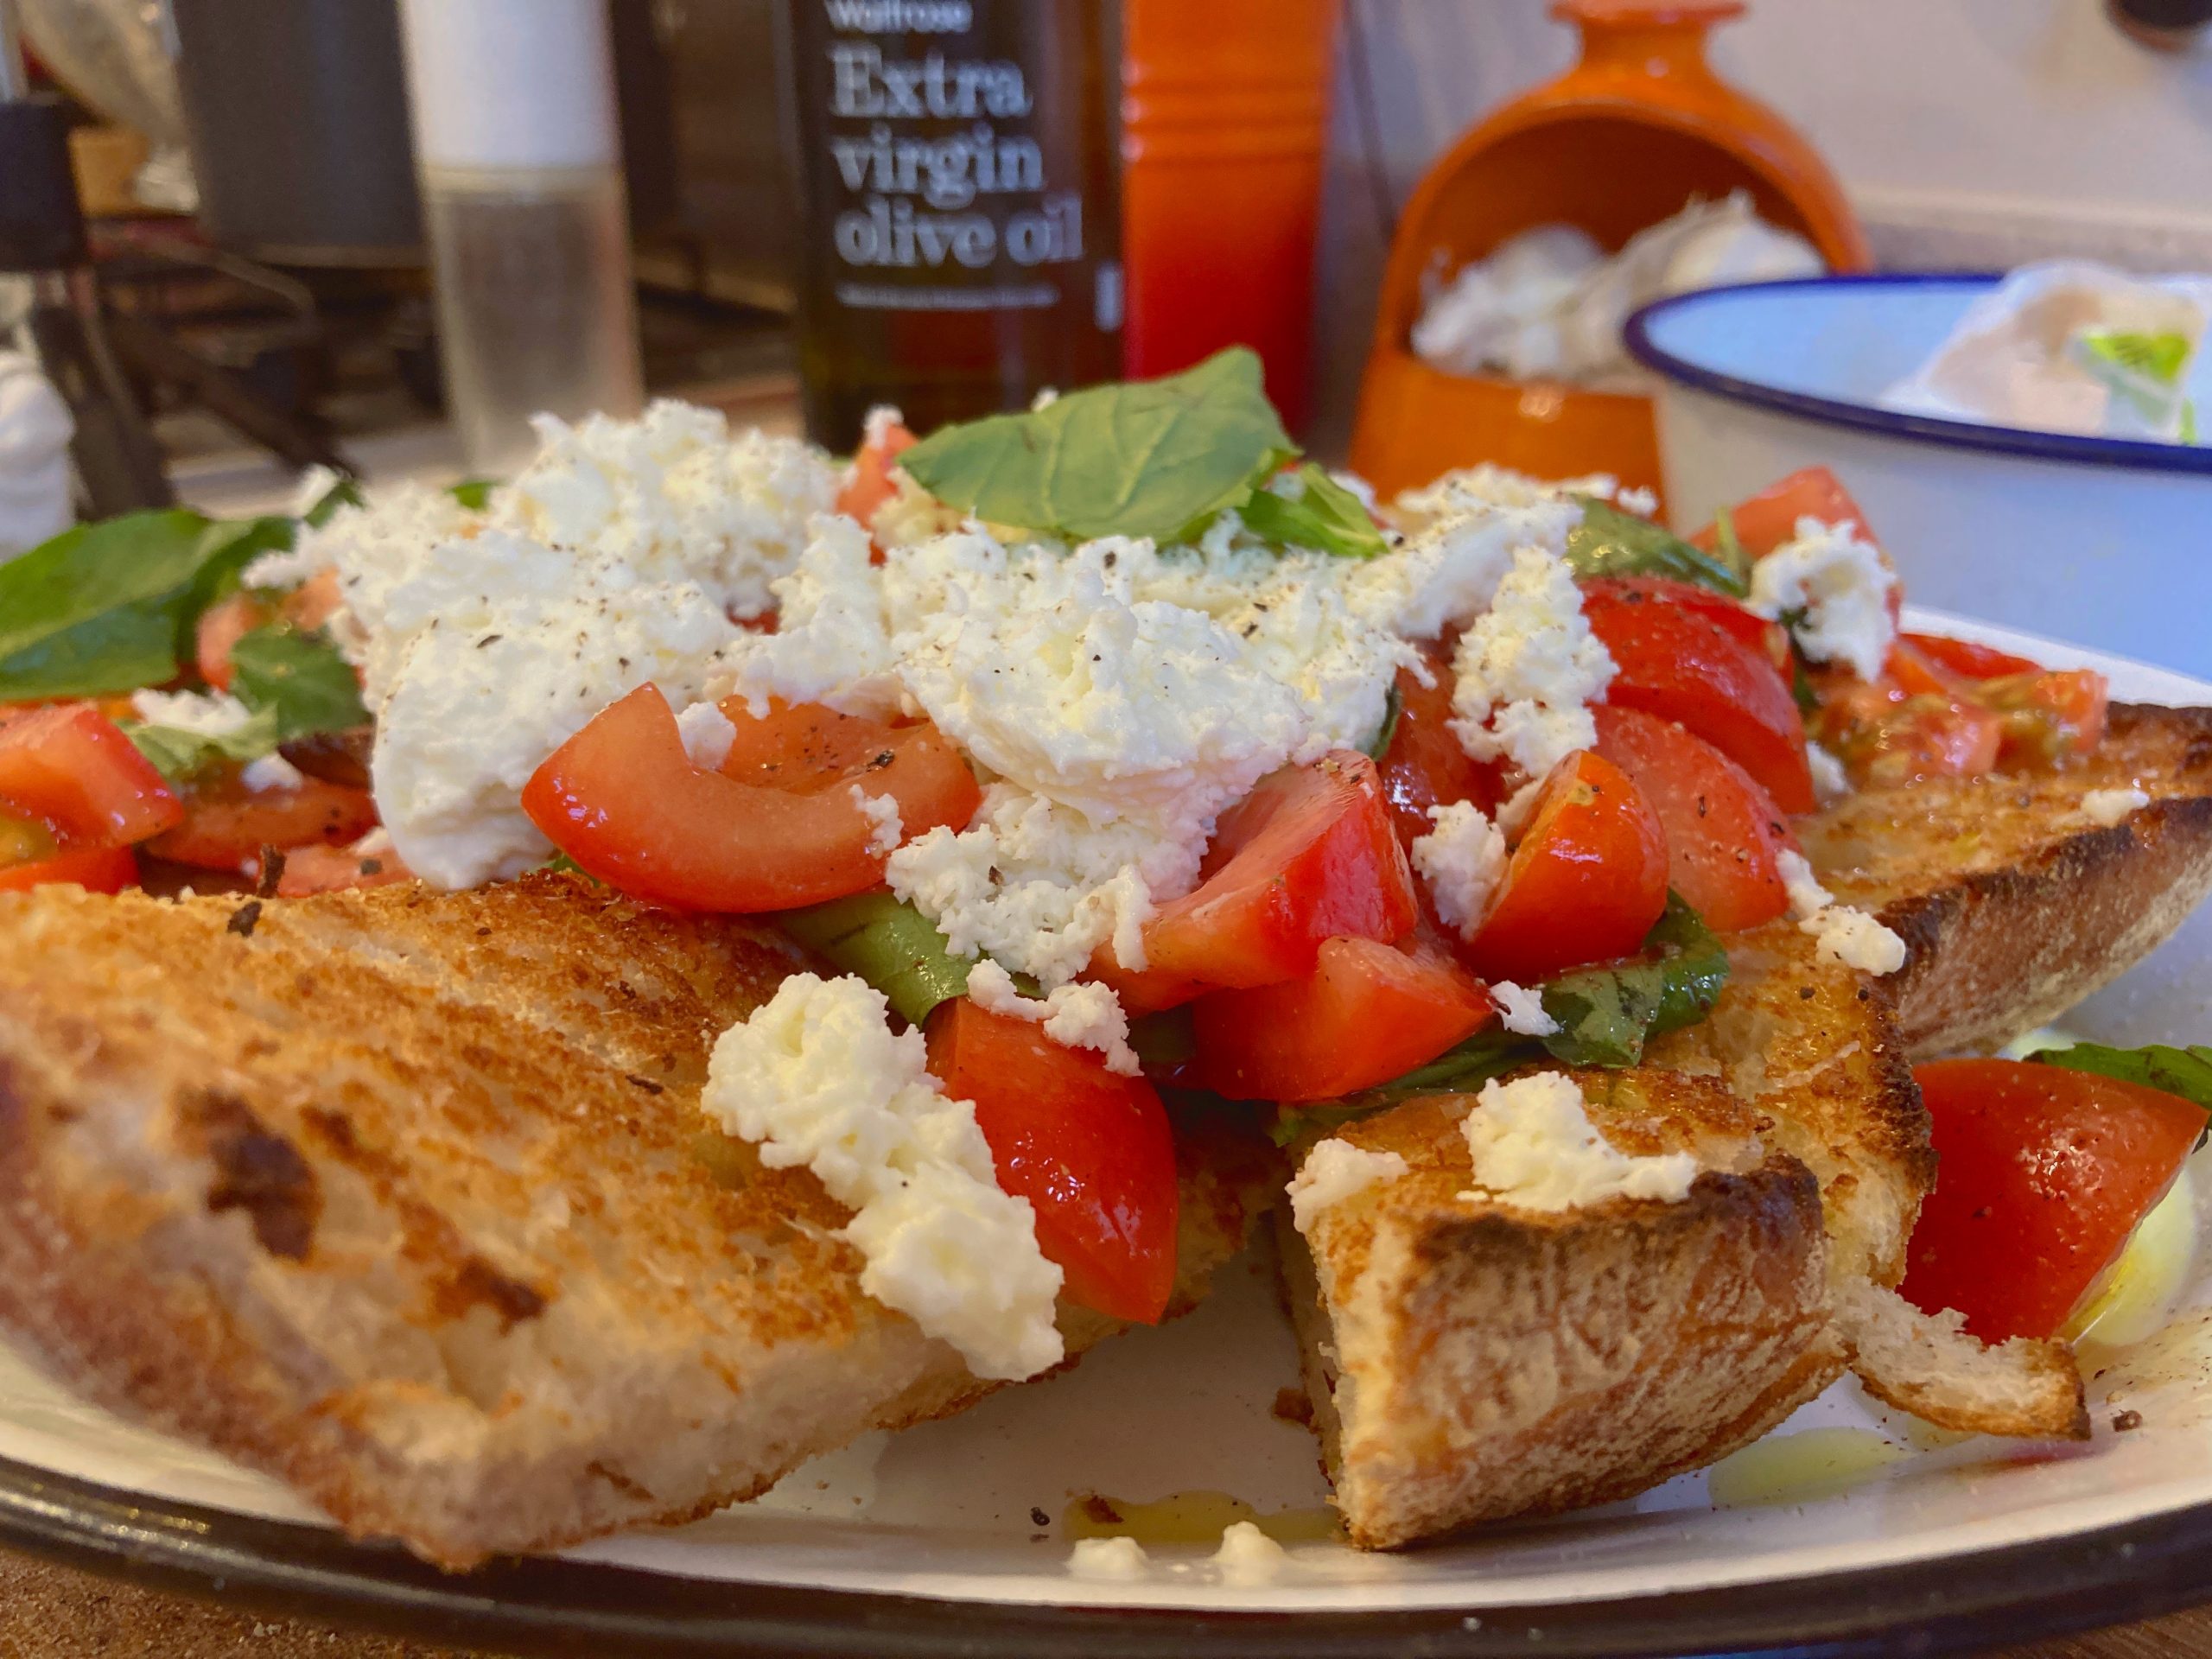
(2015, 903)
(1927, 1364)
(1469, 1361)
(406, 1198)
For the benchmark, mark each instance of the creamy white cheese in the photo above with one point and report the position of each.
(707, 733)
(1085, 1015)
(1107, 1559)
(2112, 806)
(1527, 669)
(1522, 1010)
(1333, 1172)
(485, 638)
(203, 714)
(1535, 1148)
(1846, 934)
(1831, 782)
(815, 1076)
(1835, 587)
(882, 813)
(1462, 860)
(1248, 1556)
(270, 772)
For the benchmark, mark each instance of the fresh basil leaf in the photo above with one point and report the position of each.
(1610, 543)
(1393, 706)
(178, 754)
(346, 492)
(562, 864)
(474, 494)
(109, 608)
(1294, 1123)
(1491, 1052)
(1802, 689)
(1142, 458)
(1318, 514)
(2183, 1071)
(887, 943)
(1606, 1014)
(1728, 549)
(298, 678)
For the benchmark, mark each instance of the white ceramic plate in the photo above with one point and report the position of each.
(949, 1512)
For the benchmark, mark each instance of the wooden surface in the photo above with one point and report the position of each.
(50, 1612)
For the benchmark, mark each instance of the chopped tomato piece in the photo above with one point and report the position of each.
(627, 803)
(1309, 855)
(867, 481)
(1769, 518)
(1091, 1150)
(1725, 836)
(1683, 665)
(70, 767)
(318, 869)
(96, 869)
(2048, 717)
(1368, 1011)
(1425, 765)
(1584, 884)
(1967, 658)
(2042, 1174)
(226, 824)
(1770, 639)
(24, 840)
(1885, 737)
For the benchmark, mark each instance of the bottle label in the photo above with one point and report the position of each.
(934, 158)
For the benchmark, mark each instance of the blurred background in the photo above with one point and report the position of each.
(780, 207)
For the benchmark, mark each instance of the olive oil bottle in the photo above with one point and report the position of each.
(958, 173)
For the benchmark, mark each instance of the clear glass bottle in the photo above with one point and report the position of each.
(520, 168)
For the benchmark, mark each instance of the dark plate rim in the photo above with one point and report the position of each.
(2135, 1570)
(2016, 442)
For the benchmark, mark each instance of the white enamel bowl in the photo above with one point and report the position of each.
(2104, 540)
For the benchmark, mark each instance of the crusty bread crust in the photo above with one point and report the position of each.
(1475, 1361)
(1927, 1364)
(2013, 903)
(406, 1198)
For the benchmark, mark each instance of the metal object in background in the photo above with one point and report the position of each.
(298, 120)
(43, 237)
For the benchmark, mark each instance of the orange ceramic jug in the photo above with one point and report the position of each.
(1622, 141)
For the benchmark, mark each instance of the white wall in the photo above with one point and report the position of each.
(1967, 131)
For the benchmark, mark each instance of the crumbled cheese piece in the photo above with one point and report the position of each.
(270, 772)
(1248, 1556)
(1038, 886)
(1520, 1010)
(1452, 561)
(1332, 1172)
(1831, 782)
(1806, 894)
(1462, 860)
(1855, 939)
(1528, 669)
(1643, 503)
(706, 732)
(1534, 1146)
(1074, 1016)
(1835, 588)
(883, 813)
(512, 649)
(1107, 1559)
(816, 1076)
(1846, 934)
(674, 496)
(2112, 806)
(1487, 484)
(203, 714)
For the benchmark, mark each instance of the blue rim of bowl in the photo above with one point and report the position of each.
(2016, 443)
(2045, 1588)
